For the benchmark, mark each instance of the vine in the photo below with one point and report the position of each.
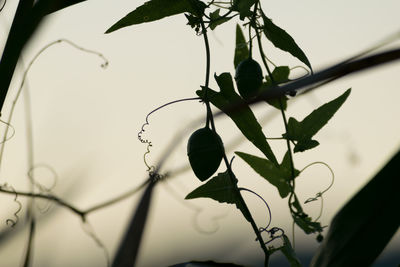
(205, 148)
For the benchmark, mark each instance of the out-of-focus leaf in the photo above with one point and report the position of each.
(129, 246)
(216, 19)
(205, 264)
(280, 74)
(241, 49)
(157, 9)
(221, 189)
(362, 228)
(279, 176)
(303, 131)
(243, 7)
(282, 40)
(243, 118)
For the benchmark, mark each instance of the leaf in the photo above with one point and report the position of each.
(282, 40)
(216, 19)
(289, 253)
(278, 176)
(362, 228)
(243, 118)
(157, 9)
(303, 131)
(243, 7)
(304, 145)
(280, 74)
(241, 49)
(221, 189)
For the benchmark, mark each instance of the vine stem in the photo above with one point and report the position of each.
(292, 173)
(231, 175)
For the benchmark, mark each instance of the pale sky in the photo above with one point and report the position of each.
(86, 119)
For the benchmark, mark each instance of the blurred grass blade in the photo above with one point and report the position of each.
(129, 247)
(361, 229)
(29, 249)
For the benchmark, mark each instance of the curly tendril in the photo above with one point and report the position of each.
(329, 186)
(319, 194)
(265, 202)
(13, 222)
(274, 232)
(142, 130)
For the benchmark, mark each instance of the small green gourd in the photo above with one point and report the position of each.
(205, 151)
(248, 78)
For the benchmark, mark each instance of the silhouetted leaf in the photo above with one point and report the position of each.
(279, 176)
(282, 40)
(243, 7)
(221, 189)
(303, 131)
(362, 228)
(157, 9)
(304, 145)
(243, 118)
(241, 49)
(216, 19)
(280, 74)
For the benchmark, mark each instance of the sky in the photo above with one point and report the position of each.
(85, 120)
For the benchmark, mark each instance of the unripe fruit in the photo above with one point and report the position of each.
(205, 151)
(248, 78)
